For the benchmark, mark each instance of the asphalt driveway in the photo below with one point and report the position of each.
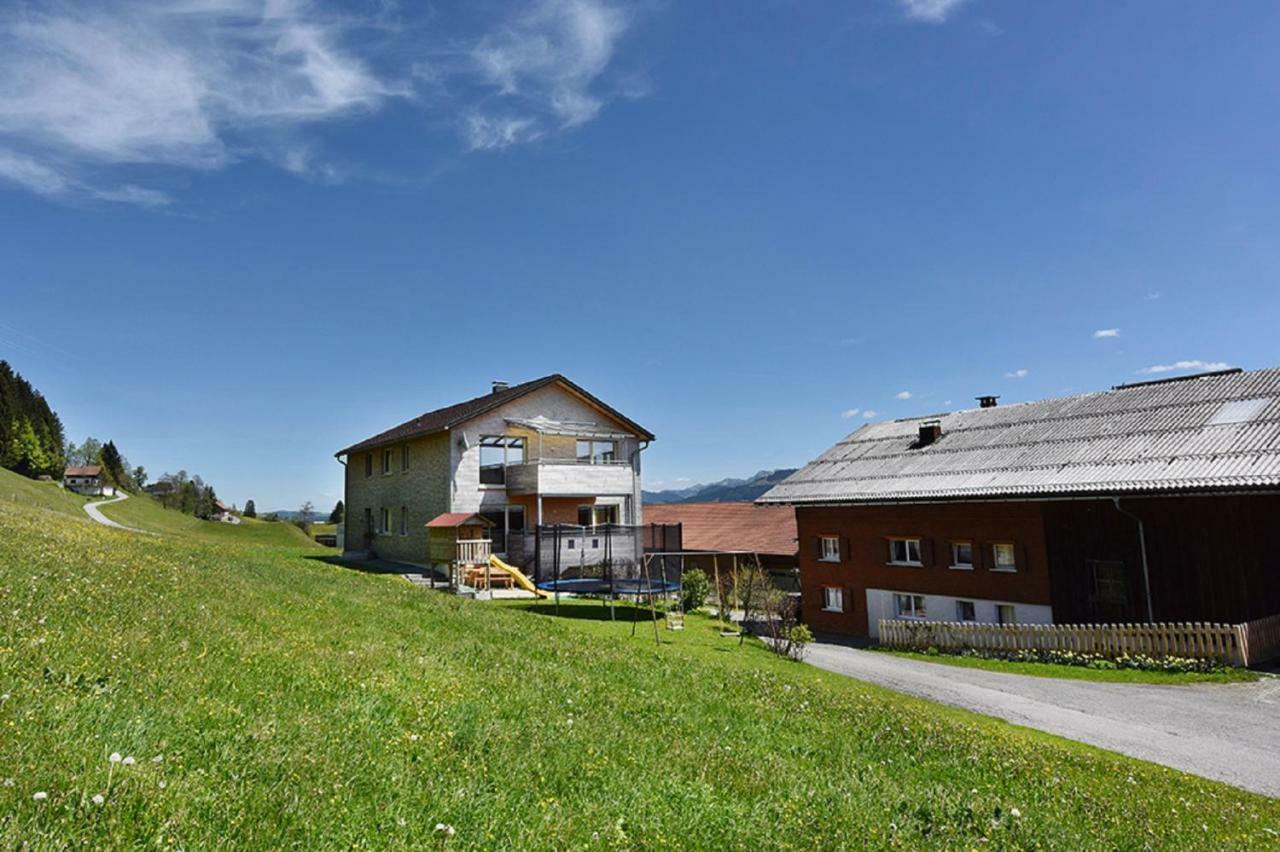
(1229, 731)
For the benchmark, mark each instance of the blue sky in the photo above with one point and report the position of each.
(237, 236)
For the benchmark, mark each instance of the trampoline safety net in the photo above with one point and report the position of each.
(606, 559)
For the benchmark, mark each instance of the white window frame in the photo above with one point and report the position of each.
(832, 599)
(907, 542)
(1005, 568)
(973, 606)
(1013, 613)
(956, 564)
(384, 520)
(594, 456)
(830, 545)
(404, 458)
(506, 443)
(917, 613)
(386, 460)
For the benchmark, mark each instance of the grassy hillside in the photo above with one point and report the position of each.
(272, 699)
(18, 490)
(146, 513)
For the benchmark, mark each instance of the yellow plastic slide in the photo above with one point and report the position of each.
(521, 580)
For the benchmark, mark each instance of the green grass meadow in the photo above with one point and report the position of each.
(270, 698)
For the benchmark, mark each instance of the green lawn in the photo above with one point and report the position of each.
(1079, 672)
(143, 512)
(18, 490)
(272, 699)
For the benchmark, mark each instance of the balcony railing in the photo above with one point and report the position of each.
(473, 551)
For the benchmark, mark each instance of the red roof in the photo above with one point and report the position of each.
(86, 470)
(450, 416)
(458, 519)
(729, 526)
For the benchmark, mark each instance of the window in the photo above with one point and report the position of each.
(909, 606)
(1005, 614)
(596, 451)
(386, 460)
(965, 611)
(496, 452)
(962, 555)
(1109, 586)
(404, 520)
(404, 457)
(830, 548)
(832, 599)
(368, 464)
(904, 551)
(507, 522)
(384, 520)
(595, 516)
(1004, 557)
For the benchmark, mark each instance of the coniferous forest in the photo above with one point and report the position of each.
(31, 439)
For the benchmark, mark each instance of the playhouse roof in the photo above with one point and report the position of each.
(458, 519)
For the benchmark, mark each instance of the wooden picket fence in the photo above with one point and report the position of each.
(1228, 644)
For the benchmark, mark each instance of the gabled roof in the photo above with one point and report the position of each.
(729, 526)
(454, 415)
(84, 470)
(458, 519)
(1212, 432)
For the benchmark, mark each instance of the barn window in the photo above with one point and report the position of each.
(904, 551)
(1004, 557)
(832, 599)
(830, 548)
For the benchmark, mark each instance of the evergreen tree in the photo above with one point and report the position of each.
(250, 510)
(335, 517)
(31, 436)
(113, 465)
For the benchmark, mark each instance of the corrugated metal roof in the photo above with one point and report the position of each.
(1218, 431)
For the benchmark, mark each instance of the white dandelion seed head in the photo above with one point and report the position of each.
(163, 785)
(129, 761)
(99, 799)
(159, 758)
(1015, 813)
(8, 782)
(40, 796)
(439, 826)
(115, 757)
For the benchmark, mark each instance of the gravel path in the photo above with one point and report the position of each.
(91, 509)
(1226, 731)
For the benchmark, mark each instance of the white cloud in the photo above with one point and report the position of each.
(1106, 332)
(850, 412)
(868, 414)
(1020, 373)
(930, 11)
(1152, 296)
(1176, 366)
(201, 84)
(545, 66)
(902, 395)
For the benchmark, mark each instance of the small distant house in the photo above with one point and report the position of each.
(1154, 501)
(224, 513)
(766, 531)
(87, 479)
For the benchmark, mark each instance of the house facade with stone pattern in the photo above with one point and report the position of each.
(543, 452)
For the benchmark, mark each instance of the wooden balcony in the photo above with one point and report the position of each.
(473, 551)
(570, 478)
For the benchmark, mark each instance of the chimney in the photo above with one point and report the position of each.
(987, 401)
(499, 386)
(930, 432)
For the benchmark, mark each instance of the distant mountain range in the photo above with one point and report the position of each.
(724, 491)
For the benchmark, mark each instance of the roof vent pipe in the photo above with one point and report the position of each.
(930, 431)
(500, 386)
(987, 401)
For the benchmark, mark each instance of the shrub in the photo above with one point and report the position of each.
(694, 589)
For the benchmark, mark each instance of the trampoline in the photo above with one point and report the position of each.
(604, 586)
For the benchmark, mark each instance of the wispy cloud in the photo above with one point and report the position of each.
(1152, 296)
(930, 11)
(1020, 373)
(850, 412)
(902, 395)
(1106, 332)
(1177, 366)
(86, 90)
(868, 414)
(544, 66)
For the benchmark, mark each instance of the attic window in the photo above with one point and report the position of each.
(1239, 411)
